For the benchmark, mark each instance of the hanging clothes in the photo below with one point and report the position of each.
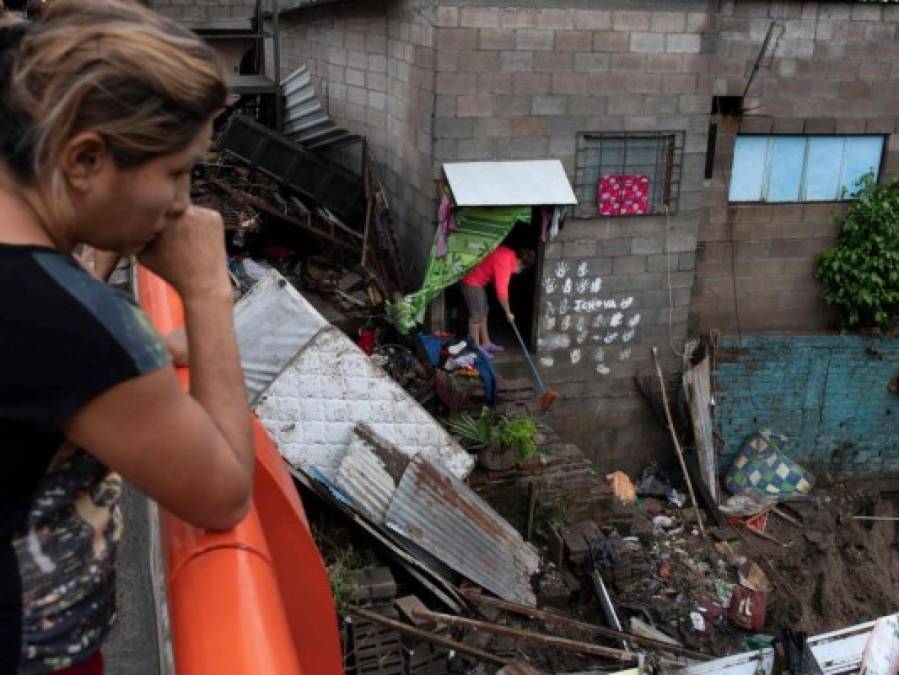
(546, 216)
(559, 213)
(551, 220)
(446, 223)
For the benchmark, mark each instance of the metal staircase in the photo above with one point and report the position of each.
(241, 41)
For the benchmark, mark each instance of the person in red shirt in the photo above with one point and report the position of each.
(498, 267)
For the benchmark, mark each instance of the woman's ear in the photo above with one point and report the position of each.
(83, 159)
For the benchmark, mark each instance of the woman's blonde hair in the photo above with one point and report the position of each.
(143, 83)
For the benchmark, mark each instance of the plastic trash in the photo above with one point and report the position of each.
(746, 504)
(661, 523)
(653, 482)
(747, 609)
(698, 622)
(677, 497)
(799, 657)
(622, 487)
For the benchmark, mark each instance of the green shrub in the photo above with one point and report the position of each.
(519, 434)
(860, 274)
(516, 432)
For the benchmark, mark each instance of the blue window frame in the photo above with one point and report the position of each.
(801, 168)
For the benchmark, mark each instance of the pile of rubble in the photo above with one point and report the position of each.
(537, 565)
(278, 217)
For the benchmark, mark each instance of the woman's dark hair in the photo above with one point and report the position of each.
(526, 257)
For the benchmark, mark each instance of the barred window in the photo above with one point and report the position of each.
(628, 173)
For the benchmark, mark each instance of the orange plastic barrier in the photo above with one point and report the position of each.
(255, 599)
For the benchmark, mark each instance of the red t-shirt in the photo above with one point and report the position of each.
(496, 267)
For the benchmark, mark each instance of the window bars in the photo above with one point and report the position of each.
(656, 155)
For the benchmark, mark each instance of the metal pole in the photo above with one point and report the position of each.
(276, 58)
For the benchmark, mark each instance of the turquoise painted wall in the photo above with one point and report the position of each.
(828, 393)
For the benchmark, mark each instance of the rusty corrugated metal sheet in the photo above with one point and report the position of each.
(363, 478)
(442, 515)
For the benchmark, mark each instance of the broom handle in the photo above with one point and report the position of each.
(527, 356)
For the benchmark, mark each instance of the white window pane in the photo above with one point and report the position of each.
(861, 156)
(748, 169)
(822, 170)
(787, 157)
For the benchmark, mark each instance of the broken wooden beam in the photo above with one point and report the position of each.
(787, 517)
(560, 620)
(473, 652)
(530, 636)
(891, 519)
(264, 206)
(740, 525)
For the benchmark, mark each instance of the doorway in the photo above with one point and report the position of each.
(523, 293)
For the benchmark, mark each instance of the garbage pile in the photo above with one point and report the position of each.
(667, 580)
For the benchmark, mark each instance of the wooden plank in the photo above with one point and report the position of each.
(530, 636)
(264, 206)
(473, 652)
(560, 620)
(697, 384)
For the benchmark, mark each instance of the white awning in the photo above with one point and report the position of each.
(530, 183)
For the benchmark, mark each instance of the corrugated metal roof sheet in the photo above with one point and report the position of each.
(445, 517)
(305, 121)
(526, 183)
(363, 478)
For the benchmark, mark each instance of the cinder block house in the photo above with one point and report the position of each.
(745, 118)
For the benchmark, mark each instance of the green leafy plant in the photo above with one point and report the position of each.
(476, 434)
(491, 430)
(860, 274)
(554, 518)
(520, 433)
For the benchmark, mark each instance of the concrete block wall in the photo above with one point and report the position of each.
(372, 63)
(482, 79)
(833, 69)
(521, 83)
(205, 10)
(829, 394)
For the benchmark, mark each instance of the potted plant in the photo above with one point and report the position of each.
(500, 440)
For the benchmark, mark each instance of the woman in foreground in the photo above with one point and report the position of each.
(104, 109)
